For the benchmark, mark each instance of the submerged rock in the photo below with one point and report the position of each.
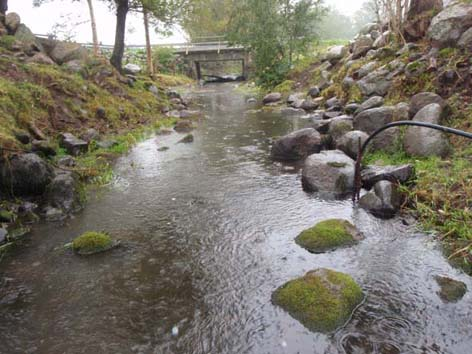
(383, 201)
(184, 126)
(187, 139)
(93, 242)
(296, 145)
(63, 193)
(272, 98)
(328, 235)
(450, 290)
(329, 171)
(322, 300)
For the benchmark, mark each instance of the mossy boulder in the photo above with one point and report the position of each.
(450, 290)
(328, 235)
(93, 242)
(6, 216)
(322, 300)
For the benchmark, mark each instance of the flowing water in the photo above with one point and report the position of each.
(208, 234)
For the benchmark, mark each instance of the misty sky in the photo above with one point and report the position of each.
(41, 20)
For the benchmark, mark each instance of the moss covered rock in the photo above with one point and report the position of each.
(322, 300)
(328, 235)
(93, 242)
(450, 290)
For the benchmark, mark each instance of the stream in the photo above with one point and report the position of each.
(207, 233)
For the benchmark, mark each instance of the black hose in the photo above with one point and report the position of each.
(362, 149)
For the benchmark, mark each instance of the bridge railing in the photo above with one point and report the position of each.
(217, 43)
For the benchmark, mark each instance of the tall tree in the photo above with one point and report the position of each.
(93, 22)
(208, 18)
(3, 6)
(122, 8)
(273, 31)
(96, 48)
(160, 14)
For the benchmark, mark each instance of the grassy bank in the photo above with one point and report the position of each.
(441, 195)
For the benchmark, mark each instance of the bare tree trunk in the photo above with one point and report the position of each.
(96, 49)
(3, 6)
(119, 48)
(150, 66)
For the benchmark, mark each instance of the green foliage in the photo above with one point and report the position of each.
(274, 31)
(327, 235)
(208, 18)
(7, 41)
(322, 303)
(165, 60)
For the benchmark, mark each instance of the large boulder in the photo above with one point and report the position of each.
(340, 126)
(40, 58)
(29, 42)
(377, 82)
(12, 22)
(132, 69)
(24, 175)
(398, 174)
(419, 16)
(329, 171)
(67, 51)
(63, 193)
(373, 119)
(448, 26)
(297, 145)
(322, 300)
(421, 100)
(424, 142)
(349, 142)
(389, 140)
(272, 98)
(365, 70)
(465, 41)
(383, 201)
(361, 46)
(336, 53)
(373, 102)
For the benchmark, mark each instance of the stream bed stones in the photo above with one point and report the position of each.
(322, 300)
(329, 235)
(450, 290)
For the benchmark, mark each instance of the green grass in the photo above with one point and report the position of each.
(441, 197)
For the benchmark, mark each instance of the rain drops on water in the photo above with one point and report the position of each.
(175, 331)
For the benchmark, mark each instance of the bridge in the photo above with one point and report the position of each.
(216, 50)
(203, 51)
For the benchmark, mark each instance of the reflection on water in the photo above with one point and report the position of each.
(208, 233)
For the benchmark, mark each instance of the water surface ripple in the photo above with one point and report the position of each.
(208, 230)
